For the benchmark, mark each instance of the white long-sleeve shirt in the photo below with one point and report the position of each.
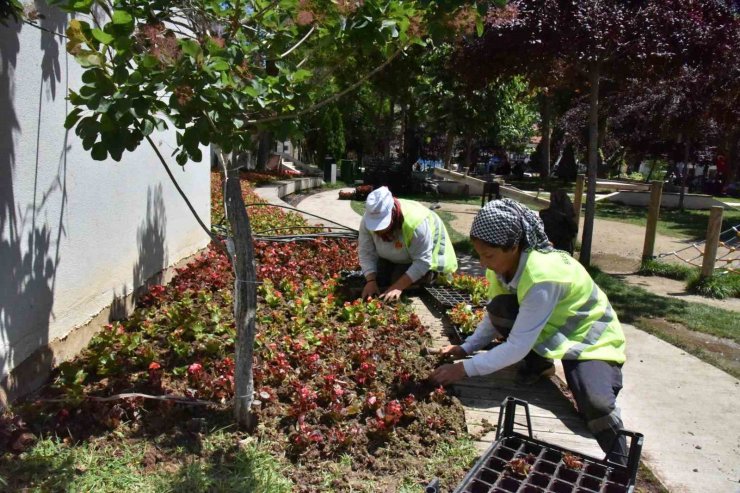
(419, 253)
(534, 311)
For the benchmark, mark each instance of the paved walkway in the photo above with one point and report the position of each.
(687, 409)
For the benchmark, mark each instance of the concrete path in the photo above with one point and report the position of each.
(687, 409)
(688, 412)
(327, 204)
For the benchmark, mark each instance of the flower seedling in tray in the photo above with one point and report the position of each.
(518, 464)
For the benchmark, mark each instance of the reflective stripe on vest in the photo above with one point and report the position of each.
(583, 324)
(443, 254)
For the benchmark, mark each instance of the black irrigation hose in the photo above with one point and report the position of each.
(308, 237)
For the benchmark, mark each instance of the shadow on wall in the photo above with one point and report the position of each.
(29, 248)
(149, 268)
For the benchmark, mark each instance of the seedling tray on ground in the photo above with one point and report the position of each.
(547, 472)
(447, 297)
(351, 283)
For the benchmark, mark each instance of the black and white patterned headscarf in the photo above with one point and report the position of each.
(504, 223)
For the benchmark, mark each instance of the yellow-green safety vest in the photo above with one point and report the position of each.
(583, 325)
(443, 254)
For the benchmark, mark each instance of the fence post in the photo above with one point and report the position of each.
(578, 198)
(656, 194)
(710, 247)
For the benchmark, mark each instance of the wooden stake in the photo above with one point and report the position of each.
(710, 248)
(578, 198)
(656, 195)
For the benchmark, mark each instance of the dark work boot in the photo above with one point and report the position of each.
(614, 445)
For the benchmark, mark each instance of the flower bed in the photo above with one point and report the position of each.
(334, 380)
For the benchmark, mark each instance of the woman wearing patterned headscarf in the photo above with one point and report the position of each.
(548, 307)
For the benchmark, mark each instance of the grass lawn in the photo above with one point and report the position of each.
(689, 224)
(216, 462)
(676, 321)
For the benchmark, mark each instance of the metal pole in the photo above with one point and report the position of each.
(710, 248)
(656, 194)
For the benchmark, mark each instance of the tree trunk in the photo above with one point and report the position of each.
(404, 131)
(685, 173)
(546, 115)
(731, 148)
(593, 139)
(389, 130)
(241, 250)
(468, 152)
(263, 150)
(449, 146)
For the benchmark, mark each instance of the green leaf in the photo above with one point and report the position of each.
(102, 36)
(218, 64)
(121, 17)
(147, 127)
(182, 159)
(87, 58)
(149, 61)
(160, 124)
(90, 76)
(72, 118)
(301, 74)
(87, 91)
(479, 26)
(82, 5)
(99, 152)
(135, 78)
(191, 48)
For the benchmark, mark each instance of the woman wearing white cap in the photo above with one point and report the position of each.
(402, 243)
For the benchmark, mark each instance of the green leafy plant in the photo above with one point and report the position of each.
(724, 285)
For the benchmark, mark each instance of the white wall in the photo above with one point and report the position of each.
(75, 234)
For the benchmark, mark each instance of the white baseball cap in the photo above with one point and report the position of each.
(378, 209)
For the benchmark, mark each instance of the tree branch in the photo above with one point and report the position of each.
(213, 237)
(299, 43)
(331, 99)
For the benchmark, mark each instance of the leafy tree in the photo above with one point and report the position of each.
(590, 39)
(499, 112)
(219, 72)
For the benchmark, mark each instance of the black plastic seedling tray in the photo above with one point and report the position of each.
(447, 297)
(351, 283)
(547, 472)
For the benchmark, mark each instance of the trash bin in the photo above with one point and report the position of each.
(348, 171)
(328, 161)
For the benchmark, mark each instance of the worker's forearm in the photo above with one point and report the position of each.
(402, 283)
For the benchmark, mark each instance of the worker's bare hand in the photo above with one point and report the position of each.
(447, 374)
(454, 352)
(391, 295)
(370, 289)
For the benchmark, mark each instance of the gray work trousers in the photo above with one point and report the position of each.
(595, 385)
